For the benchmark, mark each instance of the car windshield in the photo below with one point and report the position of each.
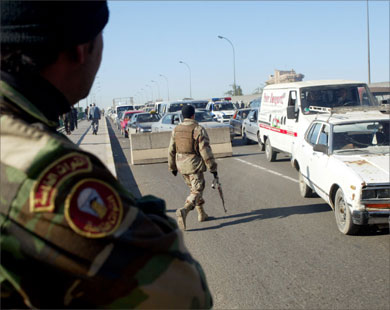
(348, 137)
(202, 117)
(146, 118)
(331, 96)
(255, 103)
(199, 104)
(121, 109)
(174, 107)
(224, 106)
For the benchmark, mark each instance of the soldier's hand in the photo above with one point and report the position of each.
(215, 174)
(174, 172)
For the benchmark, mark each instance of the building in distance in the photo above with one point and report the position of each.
(284, 77)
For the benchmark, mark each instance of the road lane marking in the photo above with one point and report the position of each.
(267, 170)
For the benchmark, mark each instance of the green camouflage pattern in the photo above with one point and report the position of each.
(192, 163)
(46, 264)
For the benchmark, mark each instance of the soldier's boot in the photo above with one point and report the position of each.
(202, 215)
(181, 217)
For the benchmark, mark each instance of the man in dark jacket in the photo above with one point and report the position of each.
(94, 115)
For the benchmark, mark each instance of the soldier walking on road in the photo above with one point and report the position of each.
(72, 237)
(190, 154)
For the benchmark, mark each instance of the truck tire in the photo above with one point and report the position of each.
(343, 215)
(304, 189)
(269, 152)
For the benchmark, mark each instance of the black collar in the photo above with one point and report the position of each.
(42, 94)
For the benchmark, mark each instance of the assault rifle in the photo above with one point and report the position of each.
(218, 185)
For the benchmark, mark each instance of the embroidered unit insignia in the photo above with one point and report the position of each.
(45, 188)
(93, 209)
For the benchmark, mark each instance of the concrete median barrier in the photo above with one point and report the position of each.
(148, 148)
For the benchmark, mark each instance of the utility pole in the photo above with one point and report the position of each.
(368, 45)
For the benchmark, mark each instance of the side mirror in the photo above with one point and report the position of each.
(175, 121)
(320, 148)
(291, 112)
(252, 119)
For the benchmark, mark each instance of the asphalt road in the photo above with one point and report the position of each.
(272, 249)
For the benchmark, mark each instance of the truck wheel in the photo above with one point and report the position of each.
(244, 137)
(269, 152)
(343, 215)
(304, 189)
(261, 145)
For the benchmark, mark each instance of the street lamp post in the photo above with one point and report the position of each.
(182, 62)
(234, 63)
(368, 46)
(146, 94)
(167, 83)
(158, 89)
(151, 89)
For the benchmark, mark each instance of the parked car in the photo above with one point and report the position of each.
(237, 119)
(142, 122)
(222, 109)
(345, 158)
(125, 119)
(251, 129)
(170, 120)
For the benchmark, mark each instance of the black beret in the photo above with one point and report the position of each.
(59, 23)
(188, 111)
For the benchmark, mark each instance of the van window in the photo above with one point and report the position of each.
(330, 96)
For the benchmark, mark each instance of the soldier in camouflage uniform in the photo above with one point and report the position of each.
(190, 154)
(71, 235)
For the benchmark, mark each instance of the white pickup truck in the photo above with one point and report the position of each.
(344, 158)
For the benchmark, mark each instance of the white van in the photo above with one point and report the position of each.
(284, 113)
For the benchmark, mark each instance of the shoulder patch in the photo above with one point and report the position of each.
(45, 188)
(93, 209)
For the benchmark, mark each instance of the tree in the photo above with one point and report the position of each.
(236, 91)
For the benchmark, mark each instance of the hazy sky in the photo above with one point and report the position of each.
(320, 39)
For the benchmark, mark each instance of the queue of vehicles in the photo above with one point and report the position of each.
(336, 132)
(170, 120)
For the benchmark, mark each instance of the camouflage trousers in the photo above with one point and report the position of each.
(196, 184)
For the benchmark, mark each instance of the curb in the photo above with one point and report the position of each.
(110, 157)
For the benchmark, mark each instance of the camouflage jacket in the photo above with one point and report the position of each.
(71, 235)
(192, 163)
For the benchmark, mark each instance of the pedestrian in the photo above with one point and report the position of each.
(190, 153)
(72, 236)
(68, 122)
(75, 114)
(94, 114)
